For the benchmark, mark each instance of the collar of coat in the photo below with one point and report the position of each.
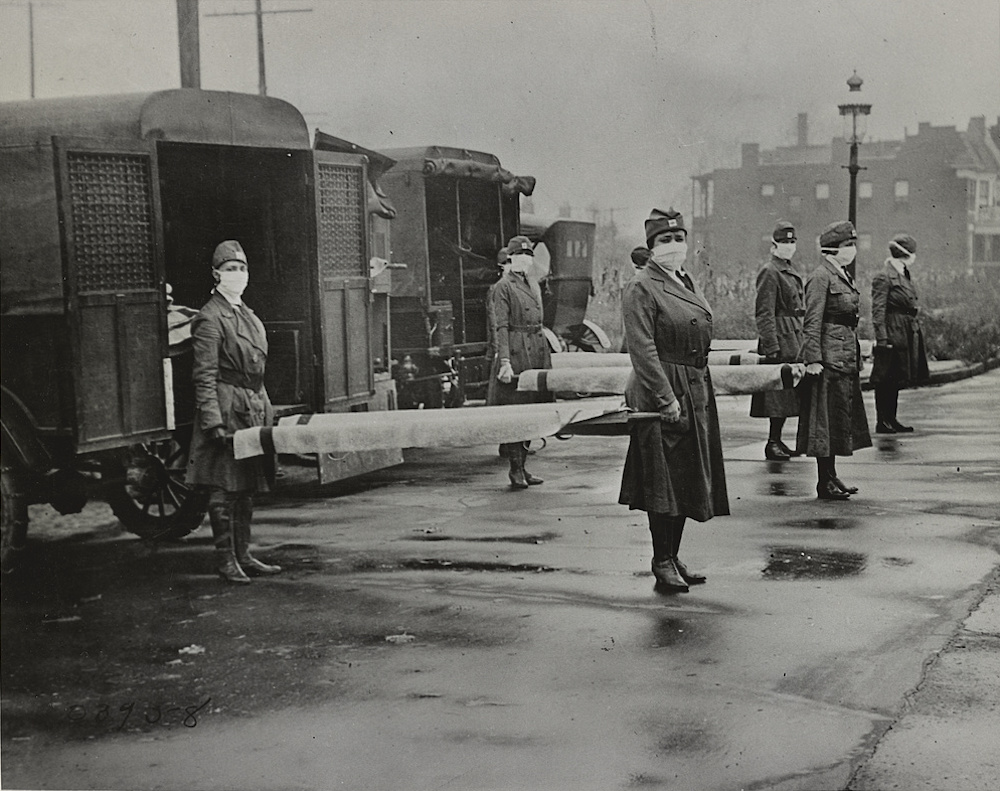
(894, 274)
(671, 285)
(785, 265)
(228, 311)
(836, 271)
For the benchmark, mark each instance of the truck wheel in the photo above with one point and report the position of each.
(14, 515)
(153, 501)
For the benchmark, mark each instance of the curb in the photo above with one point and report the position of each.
(965, 371)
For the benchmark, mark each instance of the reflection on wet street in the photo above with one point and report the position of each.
(795, 563)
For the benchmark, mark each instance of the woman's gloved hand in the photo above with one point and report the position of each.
(218, 436)
(814, 369)
(506, 373)
(671, 413)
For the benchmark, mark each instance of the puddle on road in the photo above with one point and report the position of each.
(795, 563)
(533, 538)
(887, 446)
(669, 631)
(442, 564)
(824, 523)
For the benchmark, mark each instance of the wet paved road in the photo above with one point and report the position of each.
(529, 650)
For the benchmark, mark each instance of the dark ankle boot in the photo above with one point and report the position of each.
(243, 508)
(668, 578)
(530, 479)
(221, 517)
(826, 488)
(516, 474)
(690, 577)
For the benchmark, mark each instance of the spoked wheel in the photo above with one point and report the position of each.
(14, 516)
(153, 501)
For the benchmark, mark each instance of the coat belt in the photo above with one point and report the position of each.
(693, 360)
(237, 379)
(524, 327)
(794, 313)
(902, 311)
(844, 319)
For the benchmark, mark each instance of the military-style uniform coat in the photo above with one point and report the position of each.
(833, 420)
(894, 316)
(516, 310)
(779, 312)
(671, 468)
(230, 353)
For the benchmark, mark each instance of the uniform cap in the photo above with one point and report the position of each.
(905, 242)
(784, 231)
(837, 232)
(502, 256)
(520, 245)
(660, 221)
(230, 250)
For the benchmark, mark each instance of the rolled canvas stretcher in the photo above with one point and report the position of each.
(726, 379)
(597, 360)
(412, 428)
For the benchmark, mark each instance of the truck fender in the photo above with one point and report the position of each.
(19, 435)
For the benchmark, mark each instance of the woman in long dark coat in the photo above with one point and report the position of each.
(230, 353)
(900, 359)
(516, 310)
(779, 309)
(832, 421)
(674, 465)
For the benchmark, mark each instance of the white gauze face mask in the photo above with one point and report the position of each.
(233, 284)
(784, 250)
(669, 255)
(520, 263)
(846, 255)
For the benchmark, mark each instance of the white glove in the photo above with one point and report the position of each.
(506, 374)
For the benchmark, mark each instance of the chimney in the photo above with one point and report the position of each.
(803, 136)
(977, 125)
(750, 157)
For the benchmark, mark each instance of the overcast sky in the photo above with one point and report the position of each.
(614, 102)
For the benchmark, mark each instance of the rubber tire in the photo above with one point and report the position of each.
(13, 520)
(152, 500)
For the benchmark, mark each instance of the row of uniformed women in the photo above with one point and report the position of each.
(674, 468)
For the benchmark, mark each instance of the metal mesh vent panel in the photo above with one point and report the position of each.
(112, 213)
(341, 221)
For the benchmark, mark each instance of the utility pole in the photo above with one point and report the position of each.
(259, 13)
(188, 40)
(31, 44)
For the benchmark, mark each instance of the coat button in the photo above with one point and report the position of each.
(694, 321)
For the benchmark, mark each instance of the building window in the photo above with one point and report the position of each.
(767, 190)
(822, 190)
(795, 203)
(865, 190)
(864, 241)
(970, 193)
(902, 191)
(984, 194)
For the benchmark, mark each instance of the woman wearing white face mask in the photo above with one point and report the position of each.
(674, 467)
(832, 421)
(779, 308)
(230, 352)
(900, 359)
(516, 312)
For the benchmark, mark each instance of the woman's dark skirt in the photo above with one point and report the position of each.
(832, 420)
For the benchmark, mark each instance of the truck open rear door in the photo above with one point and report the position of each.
(109, 217)
(345, 303)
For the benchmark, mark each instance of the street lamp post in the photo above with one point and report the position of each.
(854, 110)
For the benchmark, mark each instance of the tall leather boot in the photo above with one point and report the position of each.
(530, 479)
(243, 508)
(690, 577)
(668, 578)
(891, 414)
(884, 412)
(836, 478)
(221, 517)
(826, 489)
(516, 474)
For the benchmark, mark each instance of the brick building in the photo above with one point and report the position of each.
(941, 185)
